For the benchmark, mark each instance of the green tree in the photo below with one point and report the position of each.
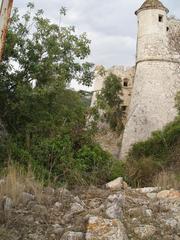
(44, 118)
(110, 102)
(39, 62)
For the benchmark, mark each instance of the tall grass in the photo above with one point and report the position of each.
(15, 180)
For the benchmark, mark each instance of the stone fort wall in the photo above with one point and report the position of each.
(157, 79)
(149, 98)
(109, 140)
(126, 74)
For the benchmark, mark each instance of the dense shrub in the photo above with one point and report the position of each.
(94, 164)
(59, 161)
(44, 118)
(161, 151)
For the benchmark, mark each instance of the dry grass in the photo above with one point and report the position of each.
(15, 181)
(167, 180)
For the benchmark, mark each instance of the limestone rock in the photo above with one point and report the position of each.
(40, 210)
(100, 229)
(2, 181)
(76, 208)
(35, 236)
(176, 238)
(114, 206)
(145, 231)
(114, 211)
(27, 197)
(58, 205)
(115, 185)
(73, 236)
(49, 190)
(148, 213)
(148, 189)
(58, 230)
(8, 204)
(169, 194)
(172, 223)
(151, 195)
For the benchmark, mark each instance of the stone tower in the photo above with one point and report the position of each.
(156, 80)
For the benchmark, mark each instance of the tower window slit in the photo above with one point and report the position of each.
(125, 82)
(160, 18)
(124, 108)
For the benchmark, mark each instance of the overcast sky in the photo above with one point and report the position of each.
(110, 24)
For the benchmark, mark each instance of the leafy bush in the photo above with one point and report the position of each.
(60, 163)
(54, 157)
(94, 164)
(66, 160)
(160, 142)
(45, 120)
(159, 152)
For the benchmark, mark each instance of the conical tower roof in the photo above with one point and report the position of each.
(152, 4)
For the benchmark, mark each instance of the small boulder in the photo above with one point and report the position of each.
(73, 236)
(58, 205)
(7, 204)
(151, 195)
(114, 206)
(116, 184)
(100, 228)
(140, 211)
(145, 231)
(168, 194)
(148, 189)
(2, 181)
(49, 191)
(58, 230)
(27, 197)
(40, 210)
(176, 238)
(76, 208)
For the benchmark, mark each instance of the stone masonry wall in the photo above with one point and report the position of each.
(109, 140)
(153, 104)
(156, 82)
(126, 74)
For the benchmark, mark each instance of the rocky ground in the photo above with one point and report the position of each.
(113, 212)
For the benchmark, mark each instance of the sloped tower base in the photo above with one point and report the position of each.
(153, 101)
(156, 79)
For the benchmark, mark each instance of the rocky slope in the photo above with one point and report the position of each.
(116, 212)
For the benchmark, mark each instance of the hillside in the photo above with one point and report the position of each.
(61, 174)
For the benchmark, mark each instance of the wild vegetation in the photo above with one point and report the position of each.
(152, 162)
(45, 120)
(109, 103)
(157, 159)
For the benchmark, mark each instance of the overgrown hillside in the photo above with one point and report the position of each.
(47, 127)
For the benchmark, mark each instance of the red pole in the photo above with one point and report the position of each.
(5, 13)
